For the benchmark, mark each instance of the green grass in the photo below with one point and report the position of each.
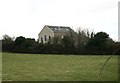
(40, 67)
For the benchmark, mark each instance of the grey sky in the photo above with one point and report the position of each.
(27, 17)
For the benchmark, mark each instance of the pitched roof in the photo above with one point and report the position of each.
(59, 28)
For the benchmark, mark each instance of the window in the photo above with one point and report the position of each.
(55, 28)
(41, 40)
(62, 37)
(59, 28)
(67, 29)
(45, 38)
(49, 38)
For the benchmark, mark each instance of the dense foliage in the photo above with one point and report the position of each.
(83, 43)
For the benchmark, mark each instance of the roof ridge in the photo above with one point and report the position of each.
(56, 26)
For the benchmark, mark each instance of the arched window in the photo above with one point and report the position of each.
(45, 38)
(62, 37)
(41, 40)
(49, 37)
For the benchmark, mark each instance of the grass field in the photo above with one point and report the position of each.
(40, 67)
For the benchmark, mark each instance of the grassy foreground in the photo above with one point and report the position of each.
(39, 67)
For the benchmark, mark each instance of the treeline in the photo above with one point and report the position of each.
(83, 43)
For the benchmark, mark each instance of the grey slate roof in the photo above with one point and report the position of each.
(59, 28)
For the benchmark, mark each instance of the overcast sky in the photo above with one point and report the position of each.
(27, 17)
